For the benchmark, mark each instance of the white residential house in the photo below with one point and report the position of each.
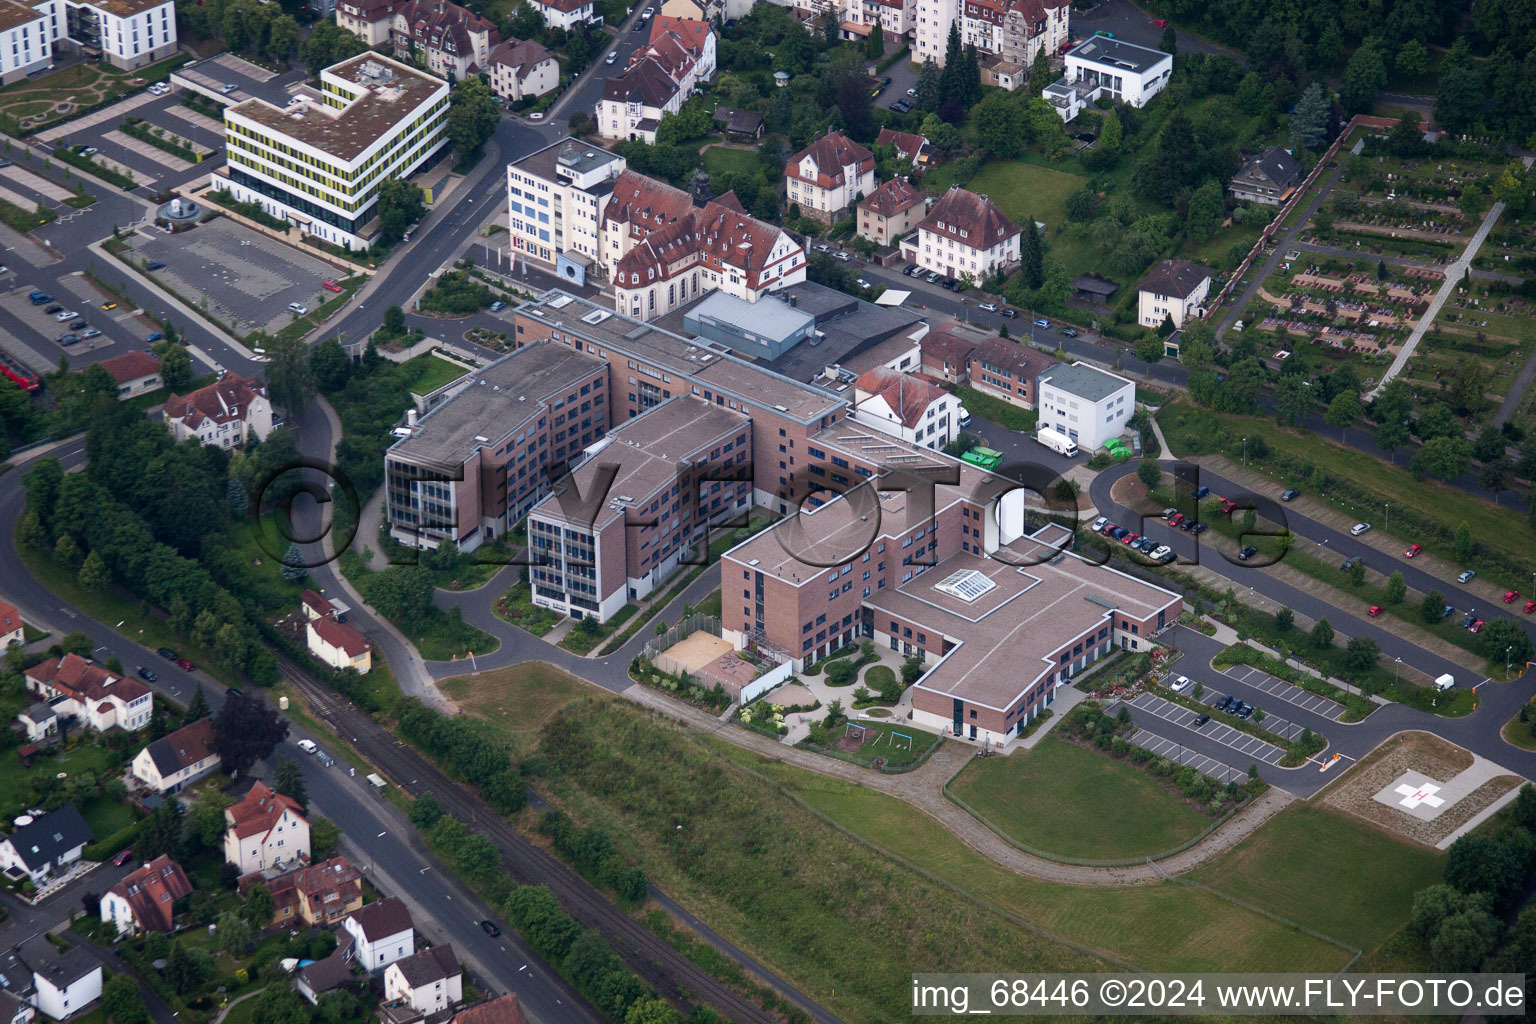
(522, 68)
(265, 830)
(381, 933)
(101, 700)
(896, 18)
(63, 983)
(565, 13)
(25, 43)
(40, 723)
(1124, 72)
(429, 981)
(1173, 288)
(1087, 404)
(829, 176)
(136, 373)
(175, 760)
(909, 406)
(226, 413)
(124, 33)
(339, 645)
(964, 234)
(11, 629)
(142, 900)
(45, 847)
(634, 101)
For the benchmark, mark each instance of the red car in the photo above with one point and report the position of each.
(1530, 606)
(330, 286)
(1375, 610)
(1227, 505)
(1510, 596)
(123, 858)
(1160, 22)
(1413, 549)
(1130, 538)
(1476, 627)
(1176, 519)
(185, 665)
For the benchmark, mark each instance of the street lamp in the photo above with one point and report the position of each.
(1506, 660)
(1388, 525)
(1245, 452)
(1396, 665)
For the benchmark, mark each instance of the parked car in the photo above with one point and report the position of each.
(1098, 524)
(299, 308)
(1448, 611)
(66, 315)
(613, 55)
(1375, 611)
(1530, 606)
(154, 265)
(167, 654)
(123, 857)
(1247, 553)
(1290, 495)
(1510, 596)
(489, 927)
(841, 257)
(1148, 545)
(1196, 528)
(933, 277)
(1227, 506)
(1413, 549)
(1201, 492)
(1467, 576)
(863, 283)
(950, 284)
(109, 305)
(990, 307)
(912, 93)
(330, 286)
(69, 339)
(1169, 513)
(1160, 22)
(185, 665)
(228, 87)
(155, 336)
(1176, 519)
(308, 746)
(913, 271)
(147, 674)
(821, 247)
(1130, 537)
(1358, 529)
(1349, 563)
(1069, 332)
(1011, 314)
(1043, 324)
(1178, 685)
(55, 308)
(1246, 712)
(1476, 627)
(901, 107)
(1468, 619)
(1117, 532)
(1200, 721)
(1222, 703)
(88, 150)
(1162, 553)
(498, 306)
(90, 332)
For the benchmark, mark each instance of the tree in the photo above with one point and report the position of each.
(284, 37)
(999, 124)
(1149, 348)
(425, 811)
(1206, 209)
(1506, 640)
(1309, 125)
(288, 378)
(1491, 864)
(1284, 620)
(1169, 43)
(329, 44)
(1447, 457)
(175, 366)
(1040, 69)
(1364, 77)
(1032, 256)
(1462, 545)
(1459, 96)
(1149, 473)
(1469, 381)
(1322, 635)
(257, 907)
(246, 730)
(928, 86)
(1490, 445)
(123, 1001)
(93, 575)
(1464, 941)
(160, 832)
(204, 824)
(874, 45)
(1293, 399)
(1432, 607)
(325, 834)
(1361, 653)
(289, 781)
(1343, 411)
(856, 105)
(187, 968)
(1495, 477)
(1397, 589)
(198, 707)
(473, 113)
(401, 204)
(330, 366)
(234, 932)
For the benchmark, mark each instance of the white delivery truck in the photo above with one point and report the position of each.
(1056, 441)
(1445, 682)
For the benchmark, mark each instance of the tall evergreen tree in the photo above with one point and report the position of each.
(198, 707)
(1309, 125)
(1031, 256)
(929, 87)
(1040, 69)
(874, 46)
(1459, 99)
(970, 81)
(1169, 44)
(954, 56)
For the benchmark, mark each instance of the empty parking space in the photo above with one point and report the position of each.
(1289, 692)
(1242, 742)
(192, 117)
(25, 202)
(112, 114)
(1180, 754)
(151, 153)
(244, 67)
(42, 186)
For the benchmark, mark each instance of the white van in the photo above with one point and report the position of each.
(1445, 682)
(308, 746)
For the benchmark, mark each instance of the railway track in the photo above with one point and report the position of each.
(655, 962)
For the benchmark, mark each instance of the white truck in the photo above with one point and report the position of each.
(1056, 441)
(1445, 682)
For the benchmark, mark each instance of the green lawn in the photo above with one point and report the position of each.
(719, 159)
(21, 785)
(1053, 799)
(998, 411)
(518, 702)
(1021, 190)
(1328, 872)
(106, 817)
(886, 743)
(439, 372)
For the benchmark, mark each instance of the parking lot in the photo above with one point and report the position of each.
(37, 339)
(1180, 754)
(1289, 692)
(1247, 745)
(246, 278)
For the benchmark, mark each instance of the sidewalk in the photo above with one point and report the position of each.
(1227, 636)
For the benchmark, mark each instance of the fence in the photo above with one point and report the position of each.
(685, 628)
(698, 623)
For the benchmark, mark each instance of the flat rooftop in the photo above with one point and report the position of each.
(1006, 638)
(385, 93)
(769, 317)
(578, 156)
(1086, 382)
(124, 8)
(13, 14)
(849, 327)
(650, 451)
(497, 401)
(1116, 53)
(702, 361)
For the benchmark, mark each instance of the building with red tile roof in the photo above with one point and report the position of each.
(505, 1010)
(455, 41)
(11, 629)
(136, 373)
(907, 405)
(891, 211)
(521, 68)
(828, 176)
(224, 414)
(320, 894)
(339, 645)
(265, 830)
(908, 145)
(142, 900)
(964, 234)
(101, 699)
(685, 48)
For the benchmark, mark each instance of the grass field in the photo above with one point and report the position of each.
(1155, 927)
(439, 372)
(1327, 872)
(1518, 734)
(519, 701)
(994, 409)
(886, 743)
(1053, 798)
(1020, 190)
(718, 159)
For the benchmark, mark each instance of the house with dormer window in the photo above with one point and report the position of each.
(265, 830)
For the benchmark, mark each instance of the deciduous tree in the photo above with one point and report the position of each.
(246, 730)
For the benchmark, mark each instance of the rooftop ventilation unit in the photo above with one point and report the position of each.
(597, 316)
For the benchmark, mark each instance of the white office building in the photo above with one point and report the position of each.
(555, 201)
(1101, 66)
(1087, 404)
(319, 161)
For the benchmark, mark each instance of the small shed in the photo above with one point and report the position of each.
(1093, 288)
